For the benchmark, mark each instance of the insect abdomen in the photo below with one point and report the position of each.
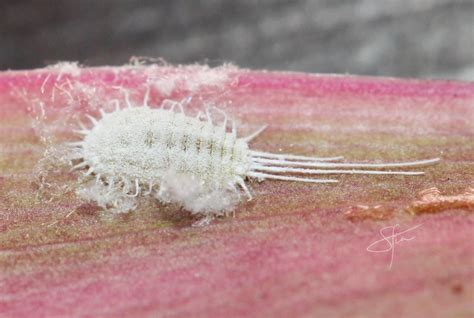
(207, 151)
(144, 144)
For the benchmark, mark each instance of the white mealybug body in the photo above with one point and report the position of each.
(144, 144)
(142, 151)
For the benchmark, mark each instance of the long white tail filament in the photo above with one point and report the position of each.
(260, 175)
(277, 166)
(284, 157)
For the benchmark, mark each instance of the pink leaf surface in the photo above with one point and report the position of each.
(296, 250)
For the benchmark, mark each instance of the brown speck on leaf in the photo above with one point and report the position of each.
(87, 209)
(457, 288)
(364, 212)
(432, 201)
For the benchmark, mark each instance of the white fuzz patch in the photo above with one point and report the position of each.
(191, 78)
(71, 68)
(194, 196)
(111, 199)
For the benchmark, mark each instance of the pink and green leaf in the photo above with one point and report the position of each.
(295, 250)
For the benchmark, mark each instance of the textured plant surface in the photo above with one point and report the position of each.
(295, 250)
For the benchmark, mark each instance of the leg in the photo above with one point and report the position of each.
(208, 116)
(234, 129)
(117, 104)
(241, 183)
(255, 134)
(185, 102)
(224, 125)
(92, 119)
(146, 97)
(168, 103)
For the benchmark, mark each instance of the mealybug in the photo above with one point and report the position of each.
(140, 151)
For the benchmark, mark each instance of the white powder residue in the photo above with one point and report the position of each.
(190, 78)
(70, 68)
(111, 199)
(194, 196)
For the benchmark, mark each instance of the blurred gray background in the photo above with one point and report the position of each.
(405, 38)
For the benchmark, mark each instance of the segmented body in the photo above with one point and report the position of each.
(144, 144)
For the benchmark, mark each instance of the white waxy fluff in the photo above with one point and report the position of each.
(159, 153)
